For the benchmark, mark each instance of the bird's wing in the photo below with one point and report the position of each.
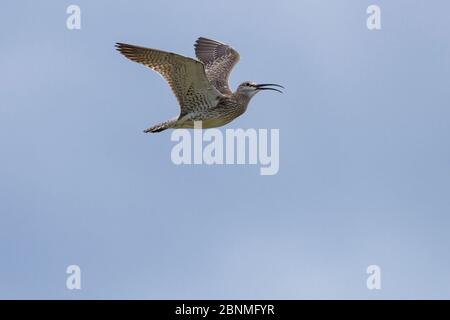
(185, 76)
(219, 60)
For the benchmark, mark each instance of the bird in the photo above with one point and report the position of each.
(200, 86)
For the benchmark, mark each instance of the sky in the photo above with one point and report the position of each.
(364, 157)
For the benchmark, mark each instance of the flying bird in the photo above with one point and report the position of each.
(200, 86)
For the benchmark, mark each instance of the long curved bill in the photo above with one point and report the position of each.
(266, 86)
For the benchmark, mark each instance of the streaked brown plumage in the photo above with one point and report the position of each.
(201, 86)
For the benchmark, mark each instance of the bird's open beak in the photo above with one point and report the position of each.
(265, 86)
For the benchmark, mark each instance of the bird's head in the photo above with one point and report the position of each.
(249, 88)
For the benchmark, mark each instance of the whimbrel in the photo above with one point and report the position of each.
(201, 86)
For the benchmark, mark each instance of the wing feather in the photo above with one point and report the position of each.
(219, 59)
(186, 76)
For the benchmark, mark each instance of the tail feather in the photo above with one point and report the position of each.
(161, 126)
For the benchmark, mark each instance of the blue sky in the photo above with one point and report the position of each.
(364, 157)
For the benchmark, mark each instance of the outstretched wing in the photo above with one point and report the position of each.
(185, 76)
(219, 60)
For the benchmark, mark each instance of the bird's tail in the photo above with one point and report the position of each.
(162, 126)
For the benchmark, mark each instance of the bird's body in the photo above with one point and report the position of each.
(227, 108)
(201, 87)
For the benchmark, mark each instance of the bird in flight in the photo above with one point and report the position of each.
(200, 86)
